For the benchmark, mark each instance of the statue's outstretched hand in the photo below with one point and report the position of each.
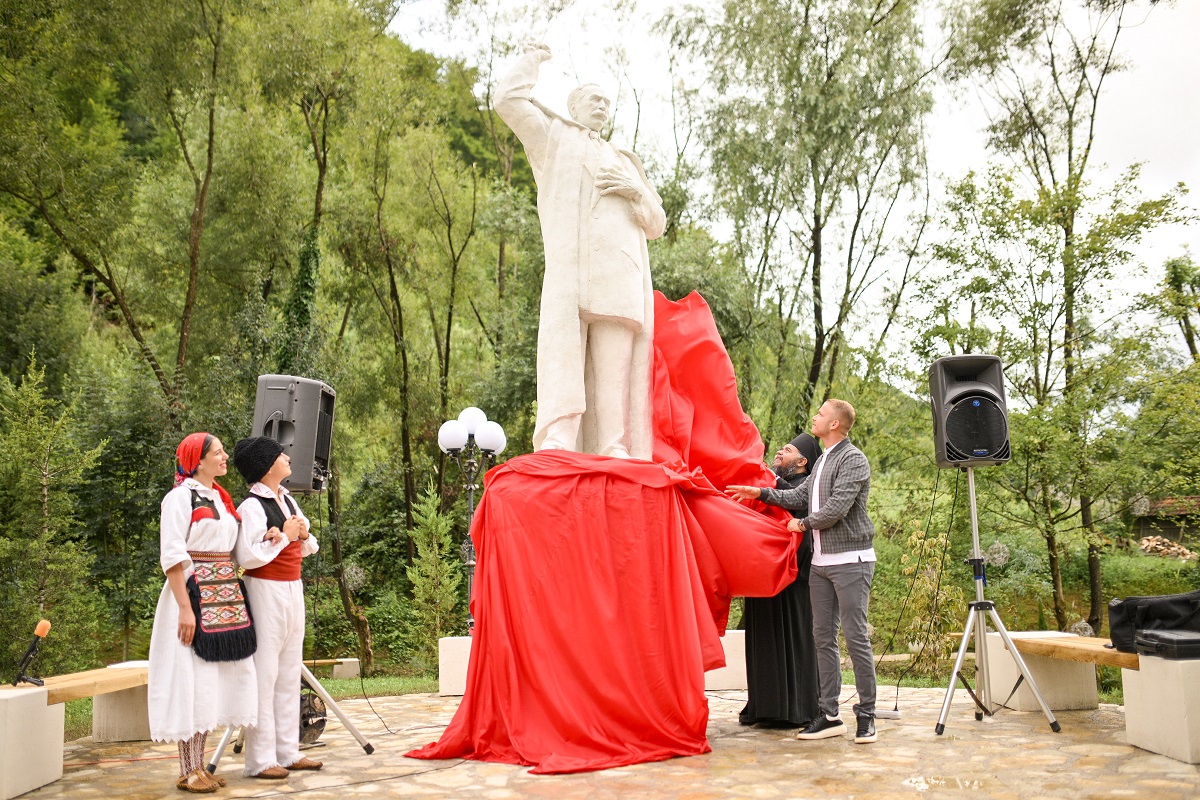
(540, 50)
(611, 180)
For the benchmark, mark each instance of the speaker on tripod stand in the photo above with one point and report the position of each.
(970, 429)
(297, 413)
(970, 416)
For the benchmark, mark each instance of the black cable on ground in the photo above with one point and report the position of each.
(908, 596)
(937, 588)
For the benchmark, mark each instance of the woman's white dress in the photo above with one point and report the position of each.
(188, 695)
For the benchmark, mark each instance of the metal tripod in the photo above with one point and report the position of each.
(316, 686)
(977, 618)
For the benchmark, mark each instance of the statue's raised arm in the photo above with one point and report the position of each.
(514, 104)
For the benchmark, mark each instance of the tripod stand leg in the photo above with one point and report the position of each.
(367, 747)
(1020, 662)
(220, 751)
(983, 684)
(958, 662)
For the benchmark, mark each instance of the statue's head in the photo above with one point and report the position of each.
(589, 106)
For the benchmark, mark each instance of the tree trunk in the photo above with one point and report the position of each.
(406, 456)
(1095, 584)
(202, 184)
(354, 613)
(809, 390)
(1060, 603)
(501, 272)
(1189, 335)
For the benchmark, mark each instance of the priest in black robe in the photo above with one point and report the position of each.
(781, 656)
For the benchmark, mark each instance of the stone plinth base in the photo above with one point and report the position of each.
(122, 716)
(1066, 685)
(349, 668)
(1162, 707)
(732, 676)
(31, 740)
(453, 654)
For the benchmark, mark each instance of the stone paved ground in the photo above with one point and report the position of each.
(1013, 755)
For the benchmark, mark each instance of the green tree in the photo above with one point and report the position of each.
(813, 132)
(1179, 299)
(1046, 65)
(435, 580)
(42, 565)
(1006, 266)
(42, 309)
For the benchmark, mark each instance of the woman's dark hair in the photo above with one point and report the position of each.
(208, 440)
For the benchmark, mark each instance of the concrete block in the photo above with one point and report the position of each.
(453, 654)
(732, 676)
(1162, 707)
(31, 740)
(347, 669)
(1065, 685)
(122, 716)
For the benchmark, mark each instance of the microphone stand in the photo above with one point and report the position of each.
(24, 665)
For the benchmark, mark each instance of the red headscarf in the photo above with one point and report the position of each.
(187, 458)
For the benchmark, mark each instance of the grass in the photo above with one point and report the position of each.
(380, 686)
(78, 719)
(1108, 680)
(79, 712)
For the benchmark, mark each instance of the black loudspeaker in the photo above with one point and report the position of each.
(297, 413)
(970, 416)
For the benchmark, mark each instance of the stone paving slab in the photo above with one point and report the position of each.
(1012, 755)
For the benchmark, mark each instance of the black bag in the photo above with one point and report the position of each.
(1169, 644)
(1165, 612)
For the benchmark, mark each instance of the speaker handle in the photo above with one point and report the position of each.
(271, 425)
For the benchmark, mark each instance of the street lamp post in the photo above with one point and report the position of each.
(475, 438)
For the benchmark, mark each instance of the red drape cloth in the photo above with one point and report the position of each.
(602, 585)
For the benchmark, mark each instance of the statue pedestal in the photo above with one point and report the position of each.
(454, 652)
(601, 588)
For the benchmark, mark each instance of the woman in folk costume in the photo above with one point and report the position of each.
(275, 537)
(201, 603)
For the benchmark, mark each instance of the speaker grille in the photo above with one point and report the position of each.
(976, 428)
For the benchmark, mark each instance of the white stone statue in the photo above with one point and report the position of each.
(597, 209)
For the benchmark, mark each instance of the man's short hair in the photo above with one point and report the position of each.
(577, 94)
(844, 412)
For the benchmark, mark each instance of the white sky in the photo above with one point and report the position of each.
(1150, 113)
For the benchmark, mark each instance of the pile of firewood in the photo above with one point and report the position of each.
(1161, 546)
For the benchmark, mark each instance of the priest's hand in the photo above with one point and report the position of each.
(743, 492)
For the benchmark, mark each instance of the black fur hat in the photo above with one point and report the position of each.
(255, 456)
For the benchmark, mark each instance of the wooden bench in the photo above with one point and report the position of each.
(1162, 696)
(1080, 649)
(1063, 666)
(32, 721)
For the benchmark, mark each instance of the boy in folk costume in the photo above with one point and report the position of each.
(274, 538)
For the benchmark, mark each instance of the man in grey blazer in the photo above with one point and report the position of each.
(843, 565)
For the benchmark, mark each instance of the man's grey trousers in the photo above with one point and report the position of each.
(841, 593)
